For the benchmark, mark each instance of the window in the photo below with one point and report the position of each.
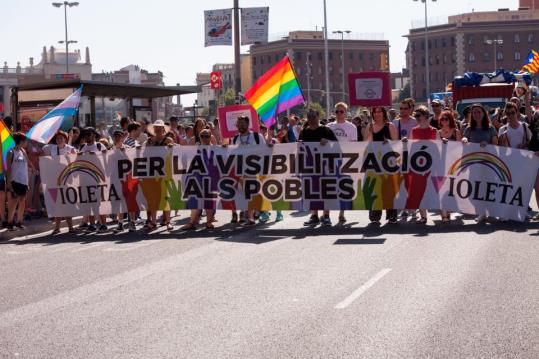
(423, 78)
(452, 41)
(437, 60)
(435, 43)
(530, 38)
(517, 38)
(371, 56)
(298, 56)
(470, 40)
(261, 60)
(471, 57)
(276, 57)
(320, 56)
(444, 60)
(499, 56)
(360, 57)
(486, 56)
(331, 55)
(430, 45)
(351, 56)
(413, 45)
(298, 70)
(444, 44)
(423, 45)
(269, 59)
(423, 63)
(517, 56)
(254, 61)
(485, 39)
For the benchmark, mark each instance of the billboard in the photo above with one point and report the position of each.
(218, 27)
(254, 25)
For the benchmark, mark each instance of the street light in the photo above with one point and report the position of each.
(427, 67)
(326, 56)
(342, 32)
(495, 42)
(65, 4)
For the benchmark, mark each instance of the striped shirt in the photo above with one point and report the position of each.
(130, 142)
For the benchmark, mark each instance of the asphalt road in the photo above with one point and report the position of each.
(275, 291)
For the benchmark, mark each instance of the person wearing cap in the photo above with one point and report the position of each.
(158, 132)
(91, 136)
(437, 108)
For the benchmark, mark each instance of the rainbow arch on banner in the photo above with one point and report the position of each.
(482, 159)
(83, 167)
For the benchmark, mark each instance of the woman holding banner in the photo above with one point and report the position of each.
(417, 182)
(59, 147)
(481, 131)
(381, 130)
(205, 140)
(448, 132)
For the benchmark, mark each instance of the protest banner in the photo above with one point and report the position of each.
(353, 176)
(254, 25)
(228, 116)
(218, 27)
(369, 88)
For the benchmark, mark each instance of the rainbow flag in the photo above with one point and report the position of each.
(532, 63)
(275, 92)
(6, 144)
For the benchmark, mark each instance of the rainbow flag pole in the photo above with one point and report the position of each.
(6, 144)
(275, 92)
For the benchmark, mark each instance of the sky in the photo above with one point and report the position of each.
(168, 35)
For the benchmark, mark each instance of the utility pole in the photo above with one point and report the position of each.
(237, 57)
(326, 51)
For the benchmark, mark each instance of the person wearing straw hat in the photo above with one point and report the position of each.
(158, 131)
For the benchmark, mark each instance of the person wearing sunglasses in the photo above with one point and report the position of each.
(448, 132)
(514, 134)
(437, 108)
(405, 122)
(418, 181)
(345, 131)
(205, 138)
(381, 130)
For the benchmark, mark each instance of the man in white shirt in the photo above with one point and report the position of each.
(345, 131)
(515, 134)
(405, 122)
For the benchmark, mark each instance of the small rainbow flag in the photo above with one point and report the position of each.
(532, 63)
(6, 143)
(275, 92)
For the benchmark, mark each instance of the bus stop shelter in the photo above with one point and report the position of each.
(100, 101)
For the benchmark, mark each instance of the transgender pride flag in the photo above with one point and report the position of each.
(45, 129)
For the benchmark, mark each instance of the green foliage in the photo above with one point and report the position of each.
(230, 97)
(316, 106)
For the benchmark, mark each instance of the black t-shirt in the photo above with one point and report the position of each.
(309, 135)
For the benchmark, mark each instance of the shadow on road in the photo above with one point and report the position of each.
(264, 233)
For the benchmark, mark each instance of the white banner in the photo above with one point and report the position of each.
(254, 25)
(218, 27)
(494, 181)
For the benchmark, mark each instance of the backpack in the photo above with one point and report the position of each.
(255, 135)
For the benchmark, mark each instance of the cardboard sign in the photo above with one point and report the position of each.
(369, 89)
(228, 116)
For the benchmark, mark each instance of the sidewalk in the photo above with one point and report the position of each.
(33, 227)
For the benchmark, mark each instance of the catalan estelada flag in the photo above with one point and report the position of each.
(275, 92)
(45, 129)
(532, 63)
(6, 143)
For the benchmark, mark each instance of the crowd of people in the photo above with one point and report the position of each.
(516, 125)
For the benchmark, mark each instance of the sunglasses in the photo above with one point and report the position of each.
(339, 111)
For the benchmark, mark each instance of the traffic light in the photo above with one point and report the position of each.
(384, 61)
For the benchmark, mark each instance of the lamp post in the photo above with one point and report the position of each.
(495, 42)
(342, 32)
(65, 4)
(427, 65)
(326, 55)
(308, 65)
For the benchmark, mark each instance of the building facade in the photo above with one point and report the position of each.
(52, 66)
(465, 43)
(306, 50)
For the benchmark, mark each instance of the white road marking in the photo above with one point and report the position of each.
(358, 292)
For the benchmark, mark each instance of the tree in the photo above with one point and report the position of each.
(230, 97)
(317, 107)
(405, 92)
